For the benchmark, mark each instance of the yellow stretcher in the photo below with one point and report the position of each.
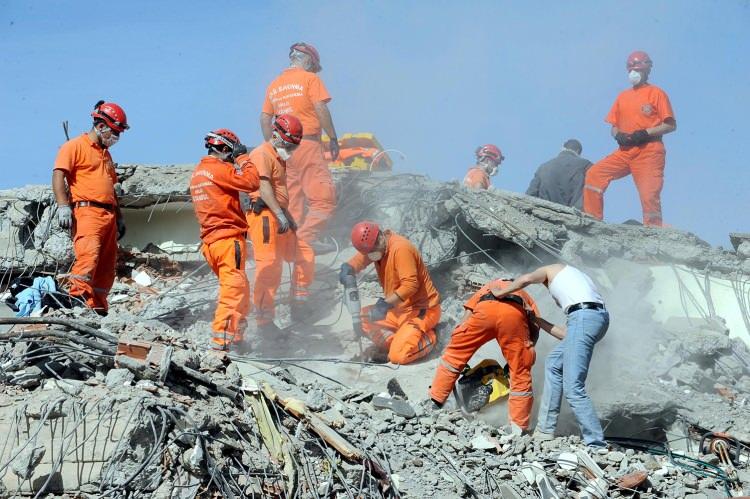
(360, 152)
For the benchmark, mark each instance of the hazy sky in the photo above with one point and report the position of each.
(432, 79)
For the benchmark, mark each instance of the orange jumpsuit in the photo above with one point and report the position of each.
(271, 249)
(507, 322)
(408, 330)
(215, 187)
(296, 92)
(91, 177)
(477, 178)
(634, 109)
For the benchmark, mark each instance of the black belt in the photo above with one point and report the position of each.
(507, 298)
(585, 305)
(84, 204)
(257, 206)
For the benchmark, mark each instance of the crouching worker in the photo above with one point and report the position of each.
(567, 365)
(402, 322)
(215, 187)
(507, 320)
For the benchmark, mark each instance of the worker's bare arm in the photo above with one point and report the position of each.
(553, 329)
(539, 276)
(265, 125)
(59, 188)
(324, 116)
(669, 126)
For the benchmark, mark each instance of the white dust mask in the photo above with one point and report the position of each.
(634, 77)
(375, 256)
(283, 153)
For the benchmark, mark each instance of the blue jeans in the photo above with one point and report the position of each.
(565, 372)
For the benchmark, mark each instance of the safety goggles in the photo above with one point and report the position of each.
(223, 140)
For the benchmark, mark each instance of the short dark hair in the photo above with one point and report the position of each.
(573, 145)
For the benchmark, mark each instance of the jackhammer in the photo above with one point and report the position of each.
(353, 305)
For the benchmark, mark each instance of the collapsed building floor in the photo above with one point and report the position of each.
(132, 405)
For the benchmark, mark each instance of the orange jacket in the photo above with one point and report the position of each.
(88, 169)
(269, 166)
(402, 271)
(215, 187)
(639, 108)
(296, 91)
(477, 178)
(528, 302)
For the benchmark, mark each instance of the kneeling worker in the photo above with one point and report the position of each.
(214, 188)
(506, 320)
(402, 323)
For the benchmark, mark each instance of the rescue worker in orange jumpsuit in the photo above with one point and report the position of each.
(214, 187)
(489, 158)
(312, 195)
(508, 321)
(402, 322)
(639, 117)
(271, 228)
(91, 209)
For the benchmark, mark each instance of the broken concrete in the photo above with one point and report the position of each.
(675, 360)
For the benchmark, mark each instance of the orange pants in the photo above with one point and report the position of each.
(308, 178)
(271, 250)
(95, 248)
(407, 334)
(226, 257)
(507, 324)
(645, 163)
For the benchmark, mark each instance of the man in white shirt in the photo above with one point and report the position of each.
(567, 365)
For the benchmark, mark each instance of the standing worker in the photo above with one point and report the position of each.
(402, 322)
(271, 228)
(214, 187)
(489, 158)
(639, 117)
(506, 320)
(560, 179)
(567, 365)
(300, 92)
(91, 209)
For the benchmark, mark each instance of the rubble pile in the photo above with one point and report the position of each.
(133, 405)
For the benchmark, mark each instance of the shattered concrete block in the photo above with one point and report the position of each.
(28, 459)
(119, 377)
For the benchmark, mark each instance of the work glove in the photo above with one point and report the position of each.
(379, 310)
(292, 223)
(64, 216)
(334, 146)
(639, 137)
(120, 228)
(284, 224)
(238, 150)
(623, 139)
(345, 271)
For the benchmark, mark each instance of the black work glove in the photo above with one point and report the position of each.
(639, 137)
(238, 150)
(346, 270)
(380, 310)
(334, 145)
(623, 139)
(292, 223)
(120, 228)
(284, 224)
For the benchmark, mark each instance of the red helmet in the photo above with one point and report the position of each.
(222, 137)
(639, 60)
(490, 151)
(364, 236)
(112, 115)
(308, 49)
(289, 128)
